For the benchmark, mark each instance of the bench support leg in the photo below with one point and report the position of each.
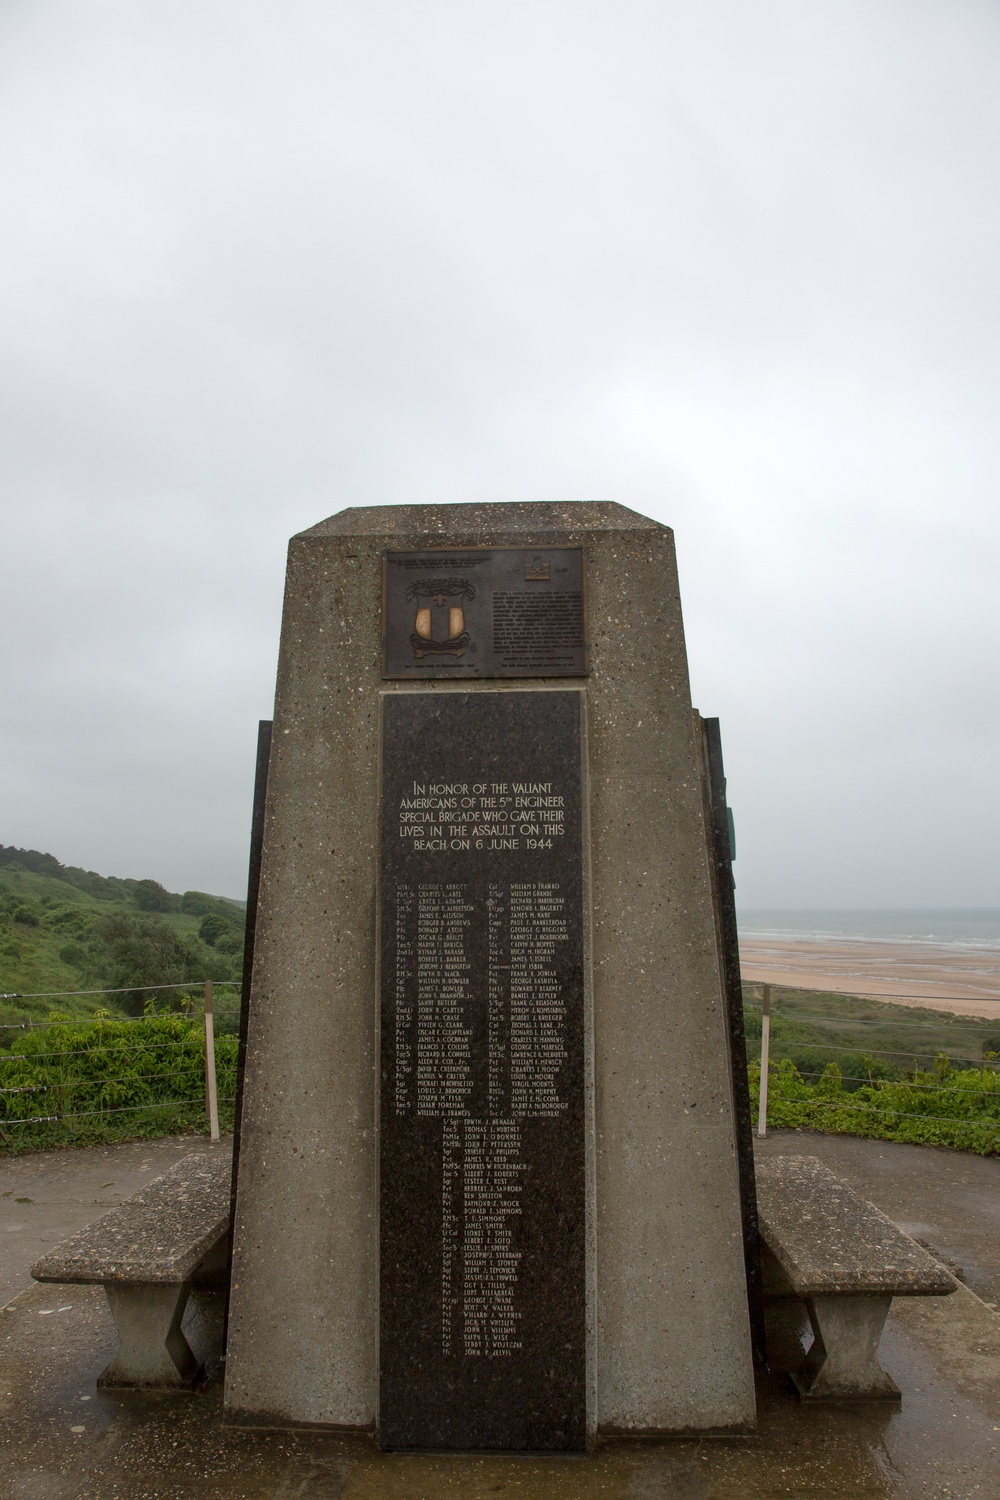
(153, 1351)
(842, 1361)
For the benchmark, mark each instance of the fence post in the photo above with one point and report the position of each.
(211, 1092)
(765, 1052)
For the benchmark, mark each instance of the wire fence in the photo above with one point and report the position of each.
(104, 1077)
(30, 1022)
(101, 1077)
(954, 1099)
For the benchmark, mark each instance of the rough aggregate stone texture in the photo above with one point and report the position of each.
(159, 1235)
(827, 1240)
(669, 1338)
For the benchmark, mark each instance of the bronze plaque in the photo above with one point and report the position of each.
(485, 612)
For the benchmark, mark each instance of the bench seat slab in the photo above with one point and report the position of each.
(828, 1250)
(161, 1234)
(828, 1240)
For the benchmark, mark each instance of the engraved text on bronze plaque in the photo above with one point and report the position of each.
(485, 612)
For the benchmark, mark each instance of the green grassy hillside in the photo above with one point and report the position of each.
(65, 929)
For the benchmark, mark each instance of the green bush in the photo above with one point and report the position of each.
(200, 904)
(110, 1080)
(150, 895)
(957, 1107)
(72, 919)
(213, 926)
(134, 951)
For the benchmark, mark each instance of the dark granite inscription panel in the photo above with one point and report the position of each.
(485, 612)
(482, 1213)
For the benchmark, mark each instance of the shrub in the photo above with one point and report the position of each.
(948, 1107)
(197, 903)
(213, 927)
(140, 951)
(200, 904)
(150, 895)
(110, 1080)
(72, 919)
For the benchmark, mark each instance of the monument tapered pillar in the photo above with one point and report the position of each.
(659, 1283)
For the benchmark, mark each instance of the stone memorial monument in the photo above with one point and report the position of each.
(488, 1194)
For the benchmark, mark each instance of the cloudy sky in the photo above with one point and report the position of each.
(732, 264)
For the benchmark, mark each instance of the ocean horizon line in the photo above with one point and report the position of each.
(947, 926)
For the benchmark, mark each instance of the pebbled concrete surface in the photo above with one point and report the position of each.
(828, 1238)
(62, 1439)
(309, 1171)
(163, 1234)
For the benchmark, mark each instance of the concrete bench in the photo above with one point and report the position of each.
(829, 1253)
(148, 1253)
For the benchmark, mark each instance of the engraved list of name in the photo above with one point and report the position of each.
(482, 1147)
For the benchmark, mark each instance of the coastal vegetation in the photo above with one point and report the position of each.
(75, 1083)
(867, 1039)
(65, 930)
(127, 1059)
(850, 1065)
(101, 997)
(956, 1107)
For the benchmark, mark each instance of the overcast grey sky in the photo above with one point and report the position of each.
(731, 264)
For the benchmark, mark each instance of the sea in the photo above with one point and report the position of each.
(959, 927)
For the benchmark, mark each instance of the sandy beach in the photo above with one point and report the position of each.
(935, 976)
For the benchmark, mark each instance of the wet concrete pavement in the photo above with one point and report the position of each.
(62, 1439)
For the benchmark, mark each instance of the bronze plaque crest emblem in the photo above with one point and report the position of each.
(439, 622)
(484, 612)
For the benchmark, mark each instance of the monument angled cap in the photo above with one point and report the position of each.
(461, 522)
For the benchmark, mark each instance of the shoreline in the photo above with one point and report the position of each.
(927, 976)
